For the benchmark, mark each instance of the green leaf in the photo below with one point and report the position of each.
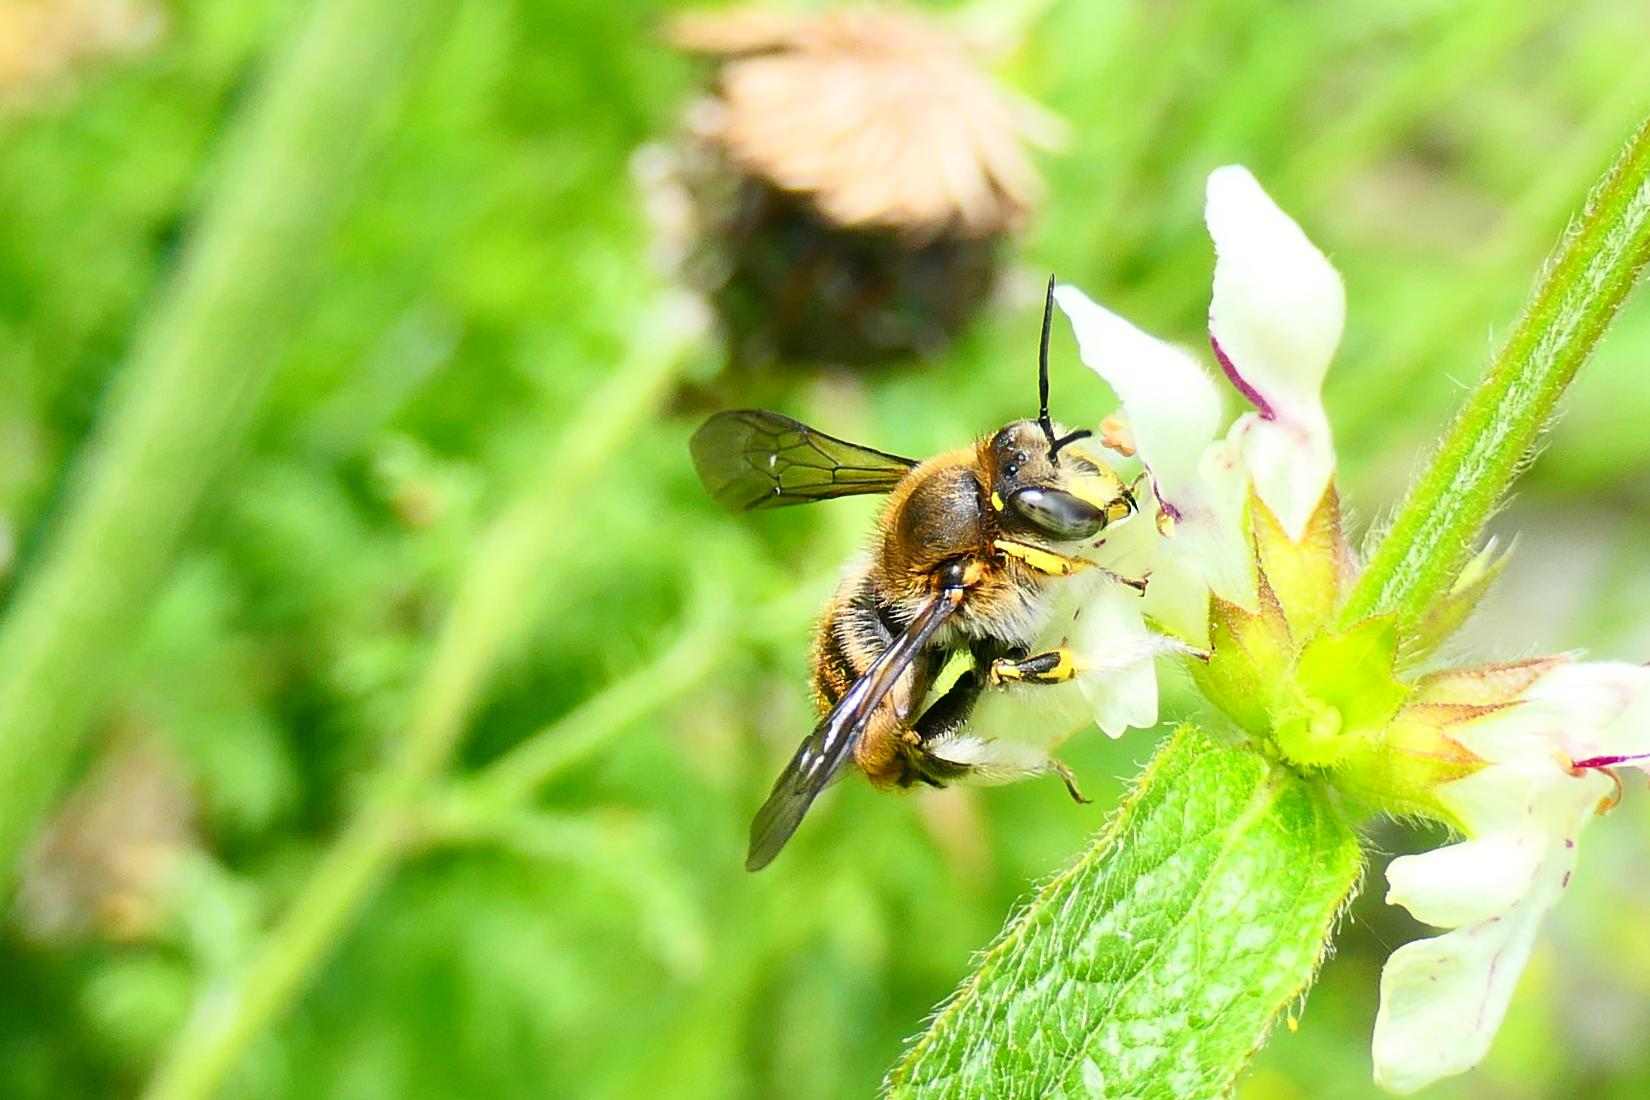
(1155, 965)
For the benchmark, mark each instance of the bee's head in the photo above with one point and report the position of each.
(1064, 498)
(1037, 485)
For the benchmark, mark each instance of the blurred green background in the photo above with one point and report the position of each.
(590, 931)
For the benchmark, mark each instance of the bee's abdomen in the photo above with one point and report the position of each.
(855, 630)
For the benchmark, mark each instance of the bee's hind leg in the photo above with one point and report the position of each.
(1070, 780)
(942, 722)
(945, 719)
(939, 750)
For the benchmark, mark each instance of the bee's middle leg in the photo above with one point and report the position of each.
(1055, 666)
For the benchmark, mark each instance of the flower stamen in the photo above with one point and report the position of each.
(1602, 762)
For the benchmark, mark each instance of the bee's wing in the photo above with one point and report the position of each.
(827, 748)
(752, 458)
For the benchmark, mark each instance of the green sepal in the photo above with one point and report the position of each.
(1250, 654)
(1450, 613)
(1306, 574)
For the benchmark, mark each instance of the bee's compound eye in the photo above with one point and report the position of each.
(1056, 513)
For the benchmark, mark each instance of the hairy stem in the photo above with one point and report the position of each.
(1495, 432)
(485, 614)
(183, 403)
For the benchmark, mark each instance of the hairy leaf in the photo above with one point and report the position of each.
(1154, 966)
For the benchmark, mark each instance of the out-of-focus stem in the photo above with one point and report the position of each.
(486, 613)
(1366, 400)
(516, 775)
(1493, 435)
(181, 406)
(701, 647)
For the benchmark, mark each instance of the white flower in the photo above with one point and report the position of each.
(1517, 750)
(1442, 999)
(1274, 321)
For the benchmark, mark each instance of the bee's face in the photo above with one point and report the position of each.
(1064, 498)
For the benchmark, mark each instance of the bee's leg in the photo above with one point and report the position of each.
(1056, 666)
(1056, 564)
(1051, 562)
(947, 715)
(1059, 768)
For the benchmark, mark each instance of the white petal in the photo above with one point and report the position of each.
(1279, 305)
(1464, 883)
(1583, 710)
(1172, 405)
(1177, 594)
(1213, 535)
(1600, 708)
(1442, 999)
(1290, 460)
(1275, 320)
(1114, 651)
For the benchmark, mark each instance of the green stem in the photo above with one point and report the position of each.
(525, 769)
(700, 649)
(184, 402)
(487, 611)
(1495, 432)
(514, 777)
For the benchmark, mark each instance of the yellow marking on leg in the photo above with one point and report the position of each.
(1044, 561)
(1032, 670)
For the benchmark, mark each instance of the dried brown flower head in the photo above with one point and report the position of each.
(879, 116)
(843, 196)
(104, 862)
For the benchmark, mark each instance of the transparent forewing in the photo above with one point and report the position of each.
(828, 747)
(752, 458)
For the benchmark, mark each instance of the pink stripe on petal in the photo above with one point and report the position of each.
(1252, 395)
(1608, 761)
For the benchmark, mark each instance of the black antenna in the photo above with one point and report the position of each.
(1042, 369)
(1043, 420)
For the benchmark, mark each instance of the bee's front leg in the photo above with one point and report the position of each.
(1049, 562)
(1055, 564)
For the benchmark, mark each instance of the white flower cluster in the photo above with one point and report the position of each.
(1539, 755)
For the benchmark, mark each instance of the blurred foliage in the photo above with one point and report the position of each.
(601, 939)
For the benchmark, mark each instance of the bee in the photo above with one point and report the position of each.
(968, 558)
